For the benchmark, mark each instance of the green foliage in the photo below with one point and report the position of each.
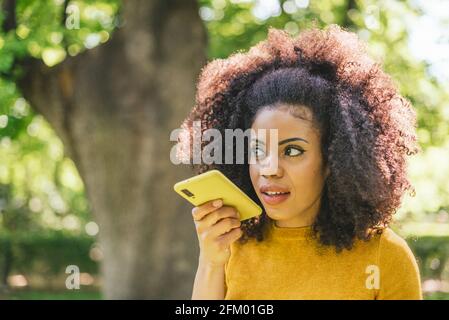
(46, 31)
(432, 254)
(238, 25)
(43, 185)
(47, 253)
(38, 180)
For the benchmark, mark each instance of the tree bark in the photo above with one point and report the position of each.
(114, 108)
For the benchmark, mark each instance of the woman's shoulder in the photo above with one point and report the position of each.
(394, 254)
(399, 267)
(390, 243)
(385, 247)
(386, 240)
(395, 263)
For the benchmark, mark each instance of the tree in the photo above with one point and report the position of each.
(114, 107)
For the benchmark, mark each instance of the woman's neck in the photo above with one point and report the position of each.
(303, 219)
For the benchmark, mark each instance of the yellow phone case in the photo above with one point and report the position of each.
(214, 185)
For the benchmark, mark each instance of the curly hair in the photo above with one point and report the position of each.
(367, 128)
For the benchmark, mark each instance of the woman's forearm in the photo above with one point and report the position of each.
(209, 282)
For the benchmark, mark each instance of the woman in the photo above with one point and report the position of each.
(343, 135)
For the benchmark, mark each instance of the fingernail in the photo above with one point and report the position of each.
(216, 203)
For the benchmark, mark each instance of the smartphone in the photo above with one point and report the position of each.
(215, 185)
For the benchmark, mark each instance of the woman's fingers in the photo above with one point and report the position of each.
(199, 212)
(212, 220)
(221, 213)
(229, 237)
(223, 226)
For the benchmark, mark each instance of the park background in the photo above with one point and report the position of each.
(89, 93)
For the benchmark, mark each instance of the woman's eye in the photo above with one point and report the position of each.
(293, 151)
(257, 152)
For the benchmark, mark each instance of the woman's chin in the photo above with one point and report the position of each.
(275, 214)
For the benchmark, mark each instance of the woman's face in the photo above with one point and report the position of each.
(299, 174)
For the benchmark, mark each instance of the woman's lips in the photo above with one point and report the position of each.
(275, 199)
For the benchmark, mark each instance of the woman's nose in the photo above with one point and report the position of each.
(277, 174)
(270, 167)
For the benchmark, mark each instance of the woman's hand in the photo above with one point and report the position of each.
(217, 226)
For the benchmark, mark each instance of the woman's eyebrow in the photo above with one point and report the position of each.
(292, 139)
(284, 141)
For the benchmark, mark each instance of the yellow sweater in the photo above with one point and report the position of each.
(289, 264)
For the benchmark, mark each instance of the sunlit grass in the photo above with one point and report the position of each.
(437, 296)
(54, 295)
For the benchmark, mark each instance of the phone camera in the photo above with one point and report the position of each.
(187, 193)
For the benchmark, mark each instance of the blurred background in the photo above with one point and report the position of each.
(89, 93)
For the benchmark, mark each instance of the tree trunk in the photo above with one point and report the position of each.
(114, 108)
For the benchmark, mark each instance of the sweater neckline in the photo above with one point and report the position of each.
(295, 233)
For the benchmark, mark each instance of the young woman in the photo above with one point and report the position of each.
(343, 136)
